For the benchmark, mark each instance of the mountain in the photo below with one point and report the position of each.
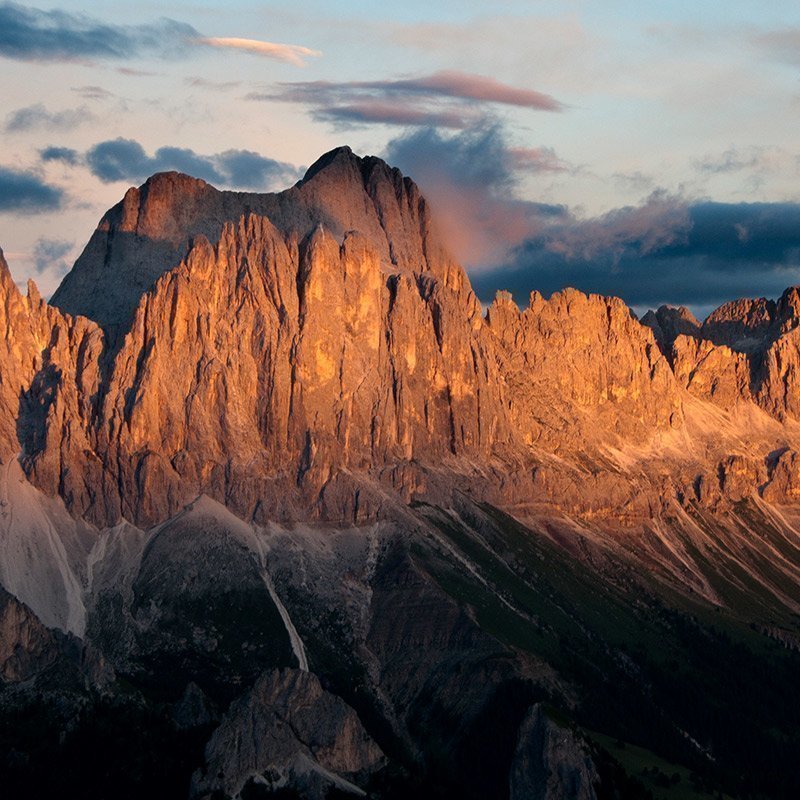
(283, 512)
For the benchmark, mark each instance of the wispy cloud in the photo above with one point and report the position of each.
(218, 86)
(448, 99)
(537, 159)
(136, 73)
(463, 85)
(33, 34)
(374, 111)
(782, 44)
(126, 160)
(93, 92)
(38, 116)
(471, 178)
(288, 53)
(739, 159)
(49, 257)
(25, 192)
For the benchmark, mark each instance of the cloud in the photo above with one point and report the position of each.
(202, 83)
(444, 99)
(136, 73)
(391, 114)
(33, 34)
(65, 154)
(93, 92)
(471, 178)
(126, 160)
(25, 192)
(636, 181)
(462, 85)
(288, 53)
(782, 45)
(37, 116)
(665, 251)
(48, 257)
(537, 159)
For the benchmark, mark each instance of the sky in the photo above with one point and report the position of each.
(643, 149)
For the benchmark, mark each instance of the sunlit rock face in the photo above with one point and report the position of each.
(329, 332)
(270, 349)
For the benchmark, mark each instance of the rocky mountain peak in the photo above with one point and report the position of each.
(787, 309)
(669, 322)
(340, 159)
(162, 207)
(152, 228)
(741, 324)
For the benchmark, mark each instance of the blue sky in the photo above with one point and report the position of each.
(532, 126)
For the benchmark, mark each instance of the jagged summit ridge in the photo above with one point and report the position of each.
(151, 230)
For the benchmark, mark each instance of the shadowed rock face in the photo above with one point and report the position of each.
(287, 732)
(667, 323)
(550, 763)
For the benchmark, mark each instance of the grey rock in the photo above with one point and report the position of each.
(288, 732)
(550, 762)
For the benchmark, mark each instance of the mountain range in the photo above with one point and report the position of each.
(285, 511)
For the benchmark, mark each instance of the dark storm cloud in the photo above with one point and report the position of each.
(32, 34)
(126, 160)
(697, 254)
(26, 192)
(447, 99)
(39, 117)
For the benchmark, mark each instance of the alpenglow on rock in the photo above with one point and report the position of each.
(269, 350)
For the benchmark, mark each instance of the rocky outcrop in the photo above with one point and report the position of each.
(712, 372)
(199, 591)
(550, 762)
(580, 368)
(742, 324)
(287, 733)
(669, 322)
(784, 478)
(26, 646)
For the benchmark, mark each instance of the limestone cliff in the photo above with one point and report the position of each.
(300, 354)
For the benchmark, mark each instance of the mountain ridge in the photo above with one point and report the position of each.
(293, 464)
